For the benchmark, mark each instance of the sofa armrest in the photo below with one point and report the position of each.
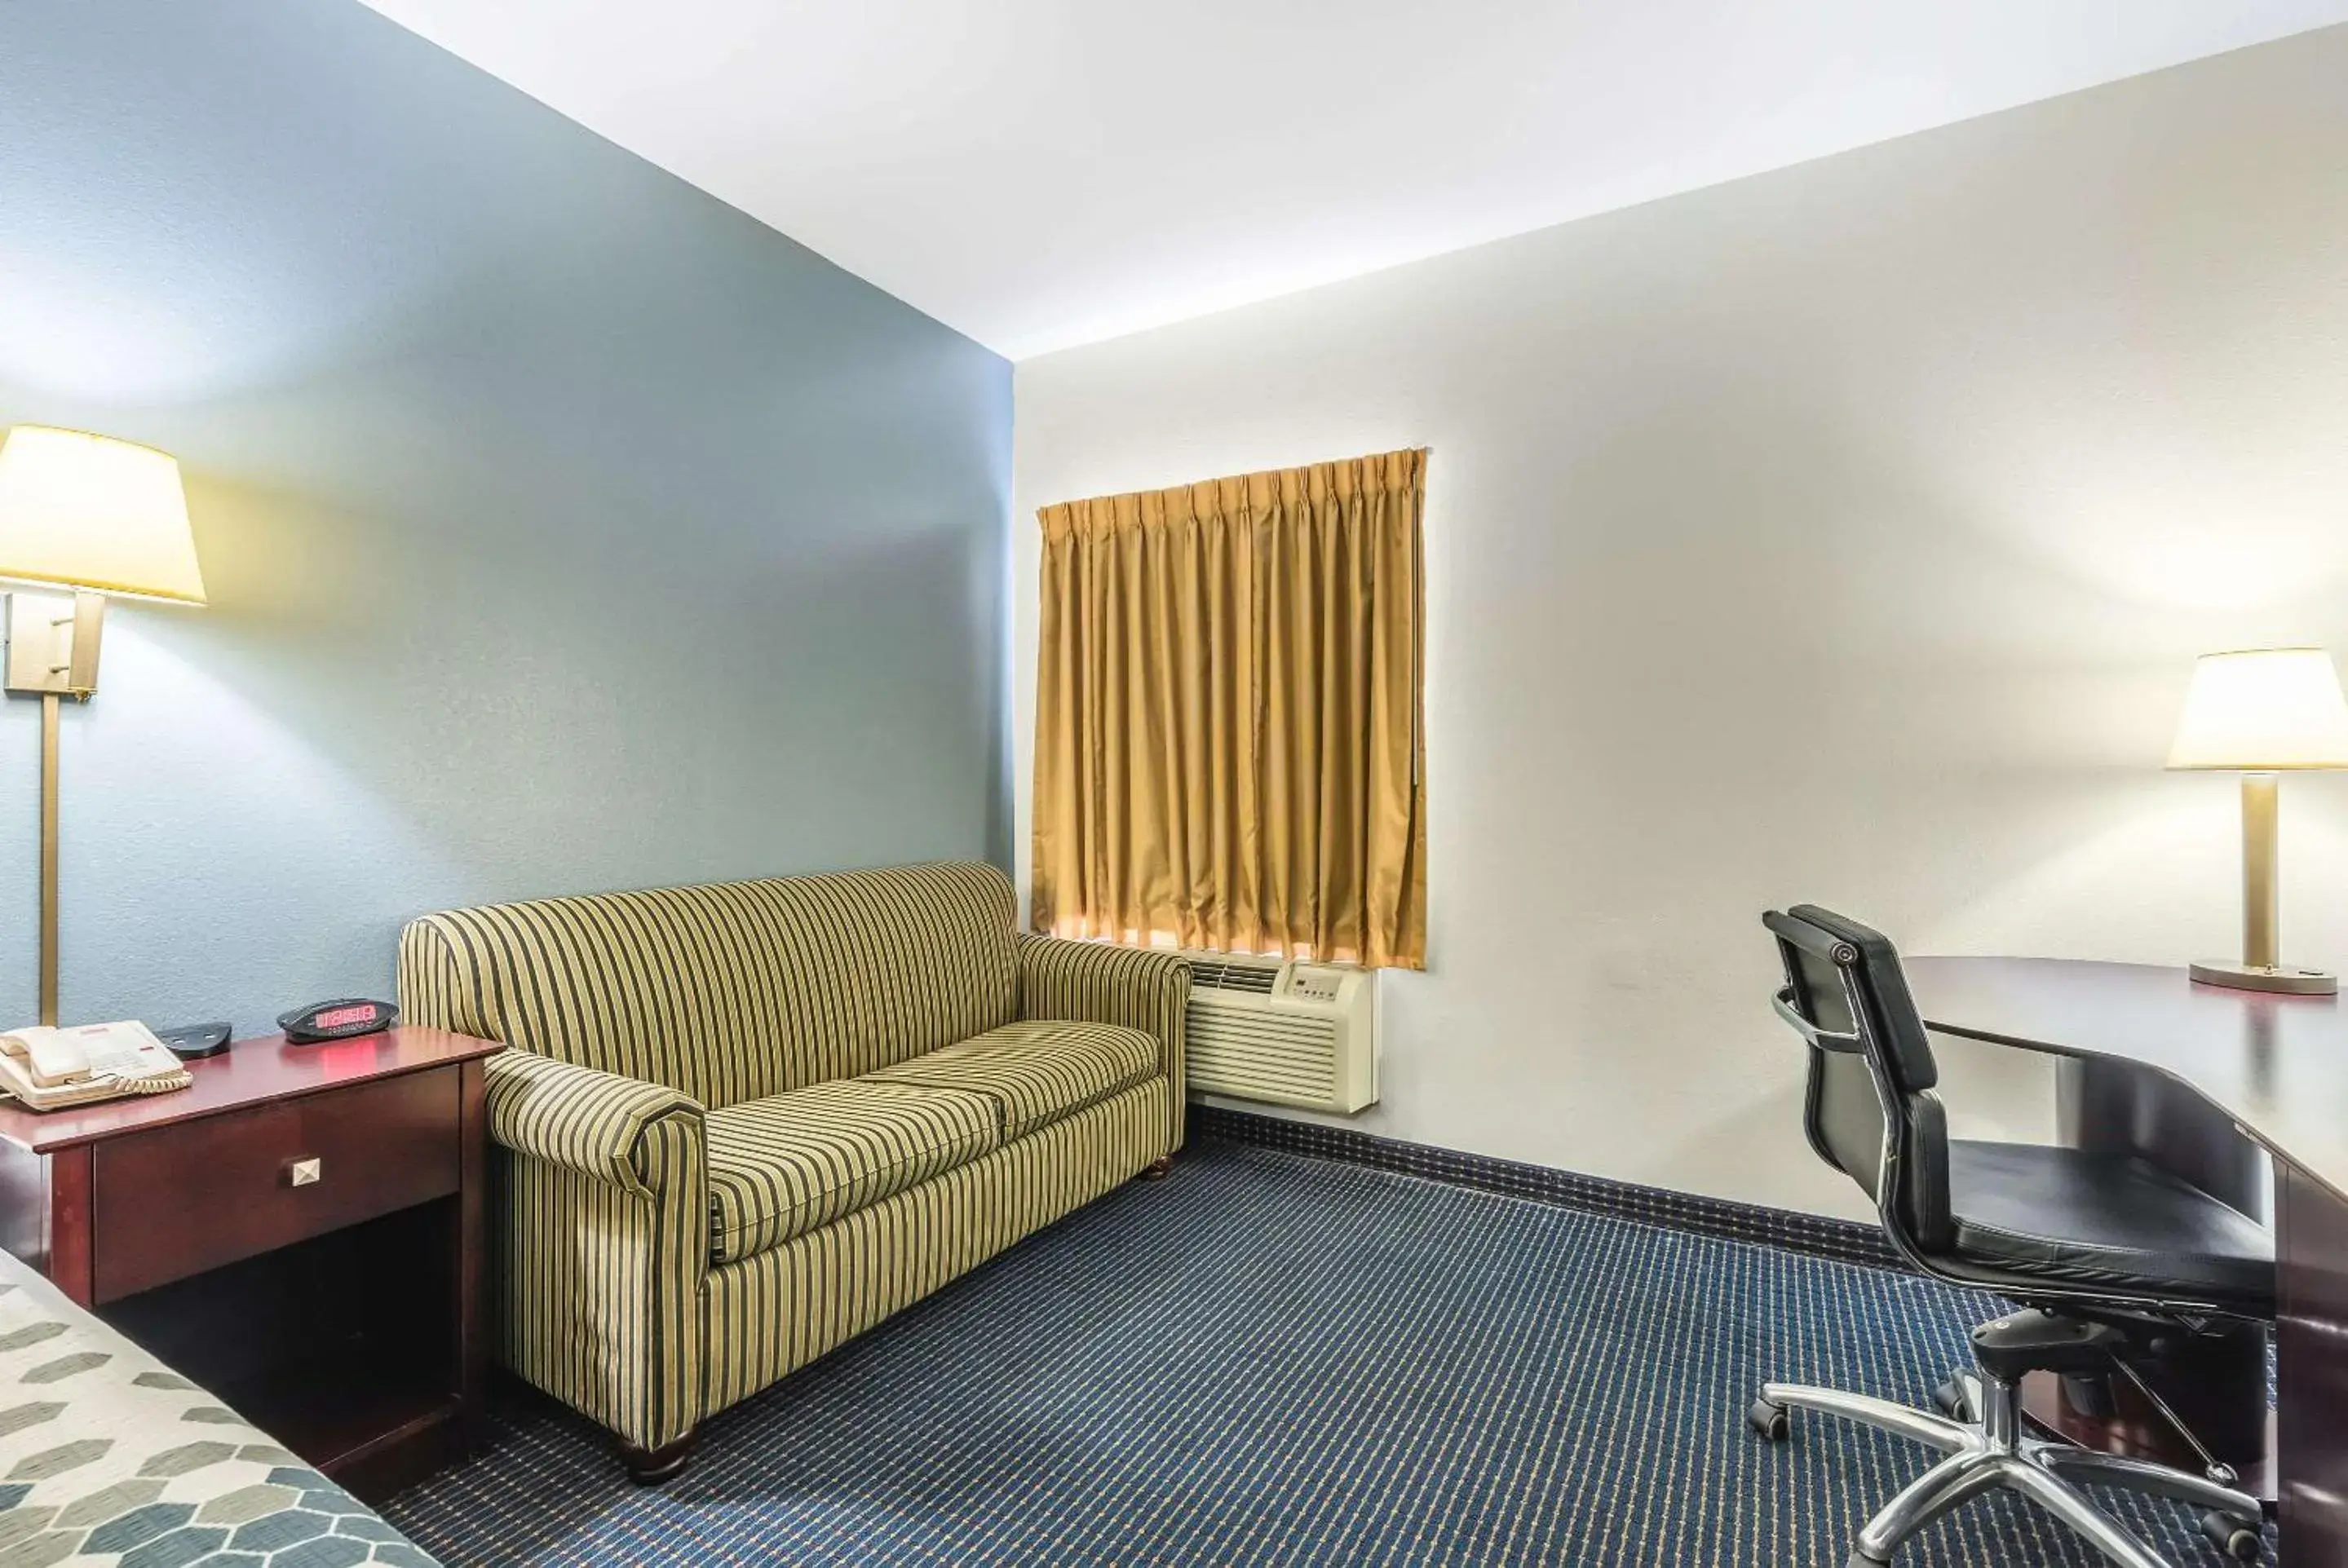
(583, 1119)
(1140, 988)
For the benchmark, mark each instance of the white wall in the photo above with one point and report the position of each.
(1842, 533)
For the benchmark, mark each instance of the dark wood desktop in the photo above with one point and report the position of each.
(2198, 1079)
(300, 1231)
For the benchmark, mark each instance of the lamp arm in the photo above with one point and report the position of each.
(49, 706)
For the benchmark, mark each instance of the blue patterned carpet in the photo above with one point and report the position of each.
(1268, 1359)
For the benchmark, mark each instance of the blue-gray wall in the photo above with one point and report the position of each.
(566, 530)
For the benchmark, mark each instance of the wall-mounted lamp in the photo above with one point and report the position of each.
(94, 517)
(2261, 712)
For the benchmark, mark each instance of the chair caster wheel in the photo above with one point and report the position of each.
(1861, 1559)
(1768, 1419)
(1949, 1399)
(2237, 1540)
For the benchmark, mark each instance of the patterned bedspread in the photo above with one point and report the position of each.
(108, 1457)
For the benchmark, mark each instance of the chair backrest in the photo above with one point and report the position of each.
(1871, 1110)
(733, 990)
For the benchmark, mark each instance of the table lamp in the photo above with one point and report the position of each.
(2261, 711)
(94, 517)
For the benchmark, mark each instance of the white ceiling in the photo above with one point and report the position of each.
(1040, 173)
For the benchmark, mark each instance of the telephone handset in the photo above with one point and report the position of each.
(47, 1068)
(51, 1058)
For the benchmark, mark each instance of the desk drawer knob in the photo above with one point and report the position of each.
(303, 1173)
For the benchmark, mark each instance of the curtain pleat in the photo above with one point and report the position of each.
(1228, 745)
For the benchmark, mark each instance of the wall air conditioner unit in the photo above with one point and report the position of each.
(1291, 1032)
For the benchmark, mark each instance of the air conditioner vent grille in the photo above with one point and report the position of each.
(1222, 976)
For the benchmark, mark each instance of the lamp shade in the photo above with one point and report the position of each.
(2263, 709)
(88, 511)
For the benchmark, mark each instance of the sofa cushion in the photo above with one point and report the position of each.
(1036, 1071)
(786, 1164)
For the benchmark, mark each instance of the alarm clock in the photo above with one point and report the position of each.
(341, 1019)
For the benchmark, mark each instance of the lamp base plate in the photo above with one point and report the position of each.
(2287, 978)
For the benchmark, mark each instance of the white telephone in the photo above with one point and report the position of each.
(47, 1068)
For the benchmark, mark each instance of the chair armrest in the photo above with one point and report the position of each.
(581, 1118)
(1140, 987)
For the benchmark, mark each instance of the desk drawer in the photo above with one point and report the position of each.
(182, 1199)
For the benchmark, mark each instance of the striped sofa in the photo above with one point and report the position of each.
(741, 1123)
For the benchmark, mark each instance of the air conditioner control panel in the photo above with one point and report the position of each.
(1314, 982)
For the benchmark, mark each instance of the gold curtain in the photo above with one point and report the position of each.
(1227, 747)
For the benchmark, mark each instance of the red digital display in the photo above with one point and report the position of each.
(342, 1016)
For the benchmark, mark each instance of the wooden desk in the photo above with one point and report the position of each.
(300, 1230)
(2197, 1077)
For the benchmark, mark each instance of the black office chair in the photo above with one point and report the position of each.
(2105, 1255)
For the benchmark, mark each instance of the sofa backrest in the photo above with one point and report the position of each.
(732, 990)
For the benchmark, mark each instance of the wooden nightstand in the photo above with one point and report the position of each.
(299, 1230)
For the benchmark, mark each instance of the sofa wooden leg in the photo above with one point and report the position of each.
(650, 1467)
(1156, 1169)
